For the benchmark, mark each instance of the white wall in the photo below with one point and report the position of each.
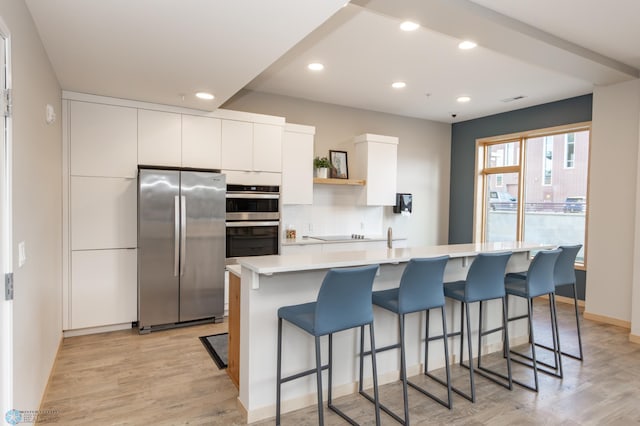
(424, 154)
(612, 202)
(37, 199)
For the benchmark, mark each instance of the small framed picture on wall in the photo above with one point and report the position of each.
(339, 168)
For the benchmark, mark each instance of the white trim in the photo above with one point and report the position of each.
(66, 221)
(95, 330)
(6, 311)
(300, 128)
(218, 113)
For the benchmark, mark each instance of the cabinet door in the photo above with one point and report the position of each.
(267, 148)
(159, 138)
(237, 145)
(103, 213)
(103, 140)
(381, 176)
(103, 287)
(201, 142)
(297, 168)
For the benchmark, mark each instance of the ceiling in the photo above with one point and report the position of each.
(164, 51)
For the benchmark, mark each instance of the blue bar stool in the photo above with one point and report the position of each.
(485, 281)
(421, 289)
(344, 302)
(564, 274)
(538, 282)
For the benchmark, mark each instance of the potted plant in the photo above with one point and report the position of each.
(322, 166)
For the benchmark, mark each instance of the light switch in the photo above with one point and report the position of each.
(22, 256)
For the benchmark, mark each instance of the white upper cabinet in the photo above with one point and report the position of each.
(376, 159)
(103, 140)
(251, 146)
(237, 145)
(267, 148)
(103, 213)
(159, 138)
(297, 164)
(201, 138)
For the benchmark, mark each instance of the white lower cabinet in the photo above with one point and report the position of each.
(103, 287)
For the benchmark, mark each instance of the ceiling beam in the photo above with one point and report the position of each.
(463, 19)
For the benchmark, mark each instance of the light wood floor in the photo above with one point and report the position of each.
(168, 378)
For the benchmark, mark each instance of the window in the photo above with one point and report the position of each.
(569, 150)
(521, 196)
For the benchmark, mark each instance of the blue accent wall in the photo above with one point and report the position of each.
(463, 150)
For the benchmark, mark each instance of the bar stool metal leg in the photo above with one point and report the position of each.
(319, 381)
(279, 372)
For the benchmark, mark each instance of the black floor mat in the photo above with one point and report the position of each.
(217, 345)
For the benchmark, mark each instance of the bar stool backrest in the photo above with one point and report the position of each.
(421, 285)
(344, 299)
(540, 274)
(564, 272)
(485, 279)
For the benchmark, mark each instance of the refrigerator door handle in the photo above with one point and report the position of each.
(176, 238)
(183, 232)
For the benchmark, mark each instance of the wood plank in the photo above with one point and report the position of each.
(233, 368)
(333, 181)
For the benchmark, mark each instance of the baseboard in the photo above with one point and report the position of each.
(633, 338)
(95, 330)
(607, 320)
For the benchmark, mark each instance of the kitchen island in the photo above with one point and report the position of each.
(269, 282)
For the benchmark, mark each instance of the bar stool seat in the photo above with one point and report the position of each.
(420, 289)
(344, 302)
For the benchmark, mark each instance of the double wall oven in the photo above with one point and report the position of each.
(253, 220)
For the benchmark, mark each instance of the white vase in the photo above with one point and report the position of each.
(322, 172)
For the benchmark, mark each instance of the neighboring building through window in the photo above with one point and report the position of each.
(569, 150)
(547, 160)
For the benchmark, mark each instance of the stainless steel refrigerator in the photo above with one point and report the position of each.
(181, 246)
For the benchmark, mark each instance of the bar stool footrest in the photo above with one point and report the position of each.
(542, 370)
(576, 357)
(342, 414)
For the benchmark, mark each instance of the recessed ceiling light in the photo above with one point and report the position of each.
(315, 66)
(205, 95)
(399, 85)
(467, 44)
(409, 26)
(463, 99)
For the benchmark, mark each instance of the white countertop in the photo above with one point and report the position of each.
(305, 262)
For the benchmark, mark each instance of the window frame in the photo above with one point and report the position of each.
(482, 170)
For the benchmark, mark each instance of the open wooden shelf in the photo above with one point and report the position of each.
(358, 182)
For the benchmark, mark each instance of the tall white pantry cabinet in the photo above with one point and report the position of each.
(104, 140)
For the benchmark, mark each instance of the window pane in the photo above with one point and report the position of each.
(555, 208)
(504, 154)
(501, 207)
